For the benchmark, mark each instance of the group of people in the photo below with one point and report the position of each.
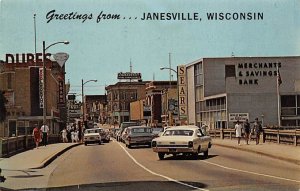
(256, 130)
(70, 134)
(40, 135)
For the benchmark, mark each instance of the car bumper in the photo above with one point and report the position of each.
(174, 150)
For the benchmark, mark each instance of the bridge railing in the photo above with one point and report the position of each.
(12, 145)
(291, 137)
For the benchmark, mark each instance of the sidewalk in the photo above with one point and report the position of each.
(289, 153)
(35, 158)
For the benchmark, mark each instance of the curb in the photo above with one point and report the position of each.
(52, 158)
(295, 161)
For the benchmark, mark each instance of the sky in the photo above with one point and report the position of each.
(100, 50)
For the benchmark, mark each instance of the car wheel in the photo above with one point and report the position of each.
(161, 156)
(99, 142)
(129, 146)
(85, 144)
(205, 154)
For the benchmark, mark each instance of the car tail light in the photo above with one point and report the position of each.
(154, 144)
(190, 144)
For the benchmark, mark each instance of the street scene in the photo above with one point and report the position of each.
(160, 95)
(112, 166)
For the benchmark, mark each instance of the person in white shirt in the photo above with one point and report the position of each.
(45, 132)
(238, 131)
(64, 135)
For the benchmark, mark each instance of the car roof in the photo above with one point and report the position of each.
(132, 127)
(183, 127)
(92, 129)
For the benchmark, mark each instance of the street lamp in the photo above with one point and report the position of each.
(44, 76)
(82, 84)
(170, 69)
(163, 68)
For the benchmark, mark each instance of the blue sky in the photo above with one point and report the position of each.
(101, 50)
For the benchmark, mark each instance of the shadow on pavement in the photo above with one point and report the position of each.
(185, 157)
(25, 176)
(135, 185)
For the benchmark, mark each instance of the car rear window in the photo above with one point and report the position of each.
(178, 133)
(141, 130)
(92, 131)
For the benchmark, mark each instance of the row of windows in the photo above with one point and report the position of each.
(124, 95)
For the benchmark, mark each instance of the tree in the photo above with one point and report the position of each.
(2, 106)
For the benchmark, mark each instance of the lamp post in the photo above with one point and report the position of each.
(82, 92)
(167, 99)
(44, 76)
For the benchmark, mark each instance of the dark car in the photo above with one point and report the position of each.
(123, 126)
(138, 135)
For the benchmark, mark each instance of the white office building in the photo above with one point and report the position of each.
(222, 90)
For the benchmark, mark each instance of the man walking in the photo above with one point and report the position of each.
(45, 132)
(257, 130)
(247, 131)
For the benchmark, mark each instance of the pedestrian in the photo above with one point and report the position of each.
(64, 135)
(238, 131)
(247, 131)
(73, 136)
(45, 131)
(257, 130)
(36, 136)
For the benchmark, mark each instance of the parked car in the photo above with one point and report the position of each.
(188, 140)
(106, 137)
(92, 136)
(123, 135)
(138, 135)
(123, 126)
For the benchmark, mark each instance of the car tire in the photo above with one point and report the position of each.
(161, 156)
(205, 154)
(129, 146)
(99, 142)
(85, 144)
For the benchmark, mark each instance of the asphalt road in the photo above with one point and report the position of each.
(112, 166)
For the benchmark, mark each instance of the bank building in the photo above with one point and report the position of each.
(220, 91)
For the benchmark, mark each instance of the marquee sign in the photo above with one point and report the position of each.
(129, 75)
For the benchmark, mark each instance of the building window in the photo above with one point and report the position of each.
(288, 105)
(9, 81)
(198, 74)
(288, 101)
(230, 71)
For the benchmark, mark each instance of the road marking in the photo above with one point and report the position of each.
(160, 175)
(249, 172)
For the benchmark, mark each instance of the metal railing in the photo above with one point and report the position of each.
(291, 137)
(13, 145)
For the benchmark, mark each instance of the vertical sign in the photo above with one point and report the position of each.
(182, 92)
(41, 87)
(61, 95)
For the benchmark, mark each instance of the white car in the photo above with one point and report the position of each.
(188, 140)
(92, 136)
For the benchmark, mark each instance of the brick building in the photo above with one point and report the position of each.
(119, 97)
(20, 79)
(95, 108)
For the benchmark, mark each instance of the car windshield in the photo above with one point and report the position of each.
(178, 132)
(92, 131)
(141, 130)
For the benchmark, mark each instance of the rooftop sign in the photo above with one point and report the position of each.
(129, 75)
